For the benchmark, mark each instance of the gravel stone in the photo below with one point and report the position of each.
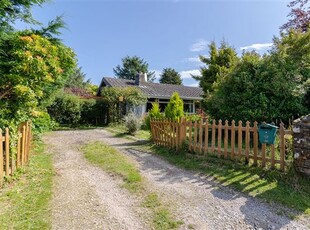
(85, 197)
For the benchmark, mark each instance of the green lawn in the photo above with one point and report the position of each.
(24, 200)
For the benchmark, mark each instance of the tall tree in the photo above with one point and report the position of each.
(299, 16)
(131, 66)
(77, 79)
(17, 9)
(170, 76)
(219, 63)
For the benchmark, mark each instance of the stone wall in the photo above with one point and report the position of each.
(301, 129)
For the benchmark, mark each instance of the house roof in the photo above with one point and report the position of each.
(156, 90)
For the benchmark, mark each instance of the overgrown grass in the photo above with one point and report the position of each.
(114, 162)
(24, 200)
(162, 218)
(288, 189)
(119, 130)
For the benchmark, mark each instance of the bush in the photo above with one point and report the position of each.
(193, 117)
(66, 109)
(132, 123)
(153, 113)
(42, 122)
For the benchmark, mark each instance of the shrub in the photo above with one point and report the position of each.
(66, 109)
(153, 113)
(193, 117)
(132, 123)
(174, 109)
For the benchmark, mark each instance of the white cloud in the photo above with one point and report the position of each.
(258, 46)
(187, 73)
(199, 45)
(193, 59)
(194, 84)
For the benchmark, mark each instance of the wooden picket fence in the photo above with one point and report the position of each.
(236, 142)
(10, 160)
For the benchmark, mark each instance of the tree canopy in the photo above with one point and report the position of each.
(219, 62)
(170, 76)
(299, 16)
(17, 9)
(131, 66)
(269, 88)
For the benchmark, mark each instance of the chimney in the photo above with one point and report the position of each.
(140, 78)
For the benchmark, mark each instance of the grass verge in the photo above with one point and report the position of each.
(288, 189)
(114, 162)
(24, 200)
(119, 130)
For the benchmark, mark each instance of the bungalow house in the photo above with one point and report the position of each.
(157, 92)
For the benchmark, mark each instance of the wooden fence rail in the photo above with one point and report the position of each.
(234, 141)
(14, 155)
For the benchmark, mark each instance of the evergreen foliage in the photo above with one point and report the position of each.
(170, 76)
(154, 113)
(220, 62)
(174, 109)
(269, 88)
(131, 66)
(18, 9)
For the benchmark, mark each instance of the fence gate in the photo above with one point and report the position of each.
(166, 132)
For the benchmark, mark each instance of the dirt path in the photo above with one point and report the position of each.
(87, 198)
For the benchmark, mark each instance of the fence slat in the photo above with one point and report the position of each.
(263, 155)
(27, 142)
(23, 144)
(226, 139)
(247, 141)
(232, 142)
(239, 140)
(200, 136)
(7, 152)
(206, 144)
(213, 137)
(182, 131)
(255, 143)
(219, 138)
(178, 135)
(272, 156)
(195, 136)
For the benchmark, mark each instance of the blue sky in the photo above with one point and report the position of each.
(169, 33)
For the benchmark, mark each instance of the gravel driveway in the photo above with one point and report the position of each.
(85, 197)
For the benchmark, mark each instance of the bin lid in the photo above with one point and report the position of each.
(266, 125)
